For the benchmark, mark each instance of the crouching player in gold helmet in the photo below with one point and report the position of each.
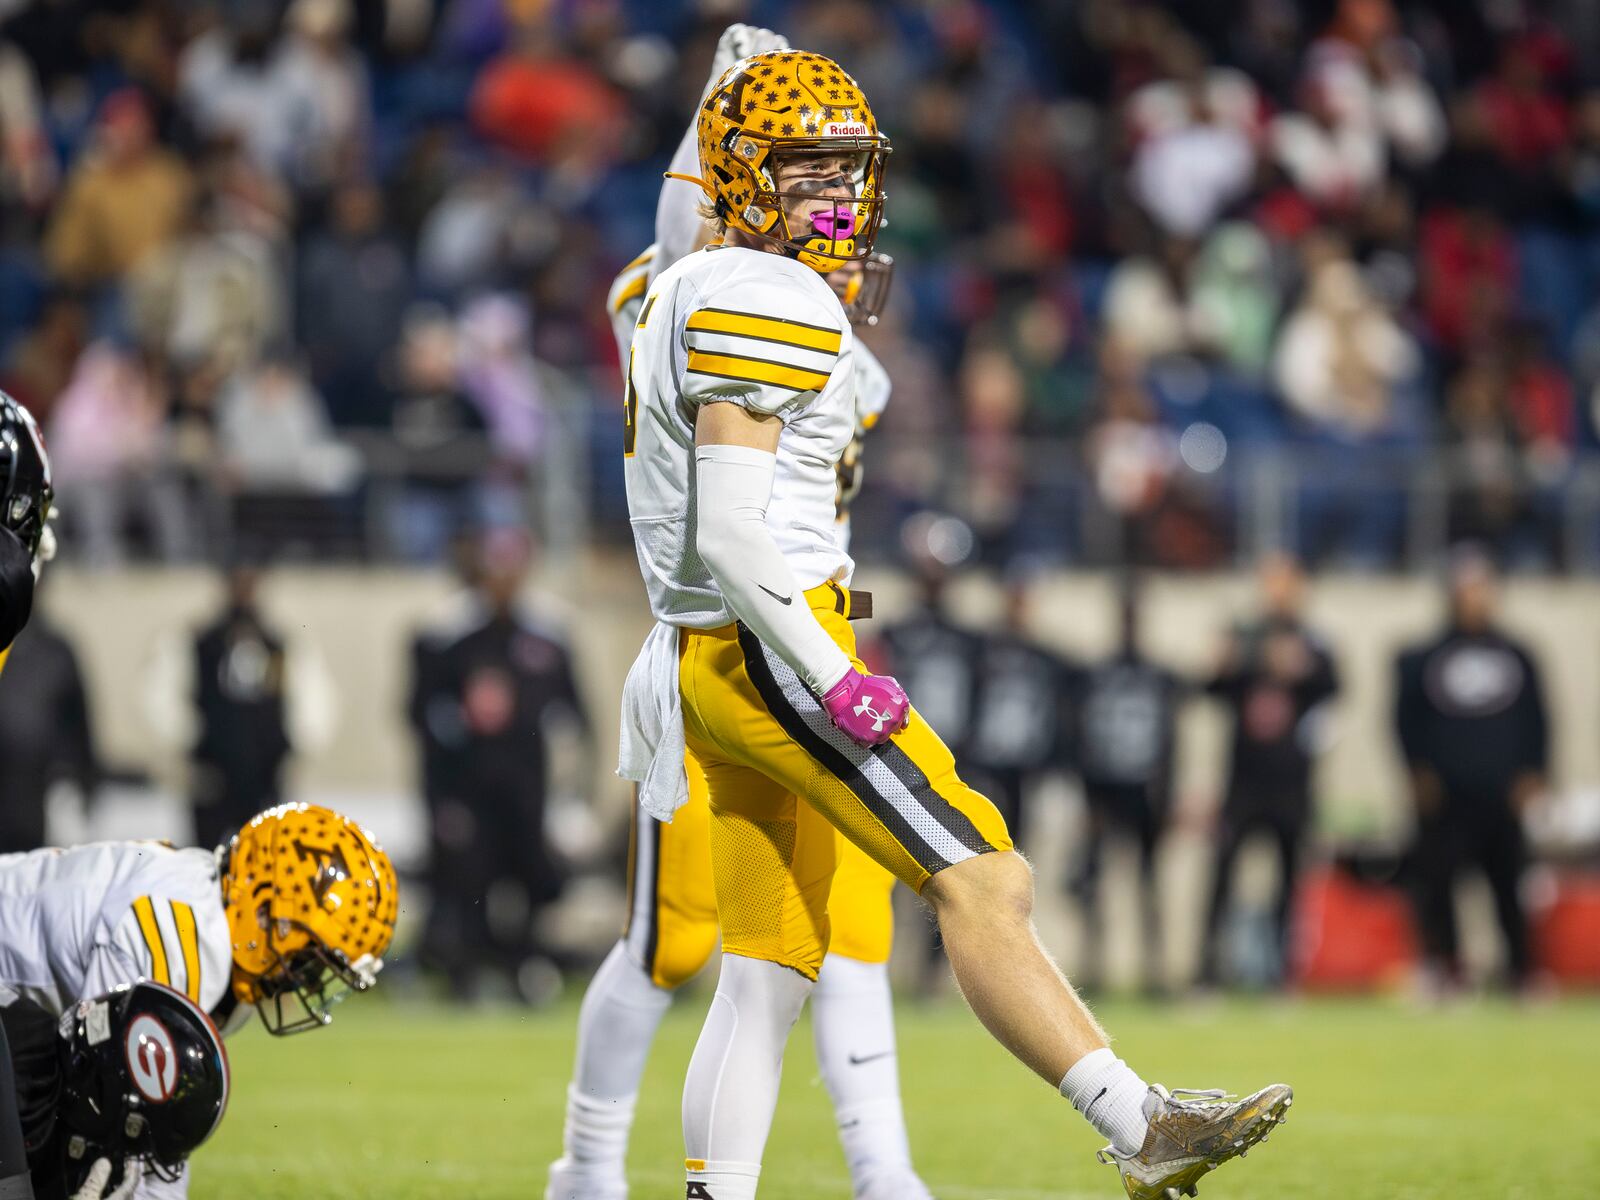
(740, 404)
(293, 913)
(672, 925)
(311, 902)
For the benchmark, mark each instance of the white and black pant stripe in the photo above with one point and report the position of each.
(884, 778)
(642, 937)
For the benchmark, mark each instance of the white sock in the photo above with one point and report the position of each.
(732, 1085)
(722, 1180)
(616, 1025)
(1111, 1097)
(852, 1016)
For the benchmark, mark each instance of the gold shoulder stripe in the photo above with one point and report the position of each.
(634, 289)
(641, 260)
(145, 911)
(189, 941)
(766, 329)
(757, 370)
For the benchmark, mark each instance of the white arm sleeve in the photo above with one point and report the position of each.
(734, 485)
(678, 221)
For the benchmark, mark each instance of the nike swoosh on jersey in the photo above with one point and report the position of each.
(780, 599)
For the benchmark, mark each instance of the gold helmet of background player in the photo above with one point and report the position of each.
(311, 902)
(787, 102)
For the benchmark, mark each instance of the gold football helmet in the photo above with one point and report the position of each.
(782, 103)
(311, 902)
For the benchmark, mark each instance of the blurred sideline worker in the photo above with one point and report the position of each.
(1127, 710)
(286, 919)
(1470, 718)
(45, 733)
(741, 399)
(672, 928)
(486, 687)
(26, 540)
(1022, 717)
(243, 741)
(934, 657)
(1275, 675)
(128, 1086)
(926, 650)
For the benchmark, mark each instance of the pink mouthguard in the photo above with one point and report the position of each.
(837, 223)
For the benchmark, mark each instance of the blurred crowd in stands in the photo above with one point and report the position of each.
(252, 249)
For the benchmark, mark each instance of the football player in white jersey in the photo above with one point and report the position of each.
(672, 927)
(740, 401)
(292, 914)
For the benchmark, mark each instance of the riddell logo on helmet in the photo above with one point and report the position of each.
(845, 129)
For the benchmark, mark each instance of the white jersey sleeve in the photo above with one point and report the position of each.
(159, 936)
(761, 345)
(625, 299)
(872, 388)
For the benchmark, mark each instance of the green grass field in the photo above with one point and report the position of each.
(401, 1103)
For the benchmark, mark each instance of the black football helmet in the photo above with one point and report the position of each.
(25, 491)
(145, 1076)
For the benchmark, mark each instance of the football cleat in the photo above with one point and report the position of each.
(1190, 1136)
(574, 1181)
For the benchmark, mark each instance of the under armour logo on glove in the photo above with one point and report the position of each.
(878, 718)
(870, 709)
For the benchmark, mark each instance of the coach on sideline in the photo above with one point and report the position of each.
(1470, 718)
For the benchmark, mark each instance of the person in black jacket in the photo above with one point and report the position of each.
(1127, 711)
(240, 681)
(1275, 676)
(1021, 727)
(45, 733)
(1471, 722)
(934, 659)
(486, 686)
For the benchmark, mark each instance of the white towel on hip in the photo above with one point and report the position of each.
(651, 748)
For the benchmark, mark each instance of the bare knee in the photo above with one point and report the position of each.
(999, 884)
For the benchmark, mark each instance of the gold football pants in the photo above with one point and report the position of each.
(672, 901)
(781, 778)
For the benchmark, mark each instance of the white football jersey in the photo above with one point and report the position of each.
(728, 324)
(872, 388)
(626, 298)
(75, 923)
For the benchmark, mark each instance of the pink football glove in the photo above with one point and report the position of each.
(869, 708)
